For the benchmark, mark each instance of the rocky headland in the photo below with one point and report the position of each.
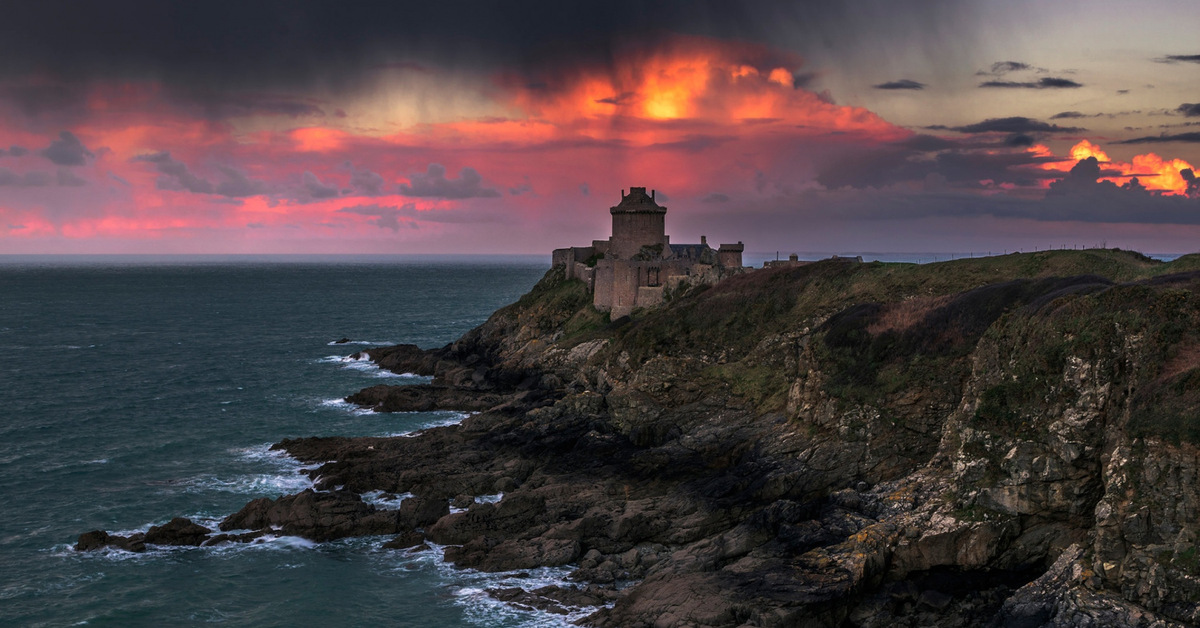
(1001, 441)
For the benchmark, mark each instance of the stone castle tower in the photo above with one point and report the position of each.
(637, 221)
(632, 268)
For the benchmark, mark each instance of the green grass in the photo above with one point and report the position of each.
(882, 330)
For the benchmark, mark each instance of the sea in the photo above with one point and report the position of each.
(137, 389)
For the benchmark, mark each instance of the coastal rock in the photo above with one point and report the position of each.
(99, 539)
(423, 398)
(178, 531)
(406, 540)
(418, 512)
(313, 515)
(486, 554)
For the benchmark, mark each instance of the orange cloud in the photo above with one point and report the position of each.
(1152, 171)
(691, 79)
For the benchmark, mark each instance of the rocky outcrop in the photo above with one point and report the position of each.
(314, 515)
(423, 398)
(1003, 441)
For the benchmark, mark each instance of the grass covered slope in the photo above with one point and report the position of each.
(1014, 438)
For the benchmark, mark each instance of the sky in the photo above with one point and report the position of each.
(511, 127)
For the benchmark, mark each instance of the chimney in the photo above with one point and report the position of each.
(622, 193)
(704, 240)
(652, 194)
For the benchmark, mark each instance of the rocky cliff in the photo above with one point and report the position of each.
(1005, 441)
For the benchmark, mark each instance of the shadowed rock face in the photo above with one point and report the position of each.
(1002, 441)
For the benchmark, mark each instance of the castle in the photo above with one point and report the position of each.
(632, 268)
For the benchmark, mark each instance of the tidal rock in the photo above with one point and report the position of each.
(406, 540)
(315, 516)
(423, 398)
(99, 539)
(178, 531)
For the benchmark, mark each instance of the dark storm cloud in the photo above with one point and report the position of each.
(312, 188)
(1019, 140)
(14, 151)
(1190, 110)
(1067, 115)
(1179, 58)
(67, 178)
(174, 174)
(434, 184)
(1192, 137)
(407, 215)
(8, 178)
(926, 161)
(38, 179)
(364, 182)
(67, 150)
(219, 106)
(272, 44)
(32, 99)
(1193, 182)
(1015, 124)
(1001, 68)
(238, 185)
(385, 217)
(1048, 82)
(694, 143)
(900, 84)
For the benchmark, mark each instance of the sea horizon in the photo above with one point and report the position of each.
(752, 259)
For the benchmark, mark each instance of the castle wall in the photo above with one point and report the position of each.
(570, 258)
(649, 296)
(602, 292)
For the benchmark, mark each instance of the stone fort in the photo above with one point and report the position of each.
(637, 263)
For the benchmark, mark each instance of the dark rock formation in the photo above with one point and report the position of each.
(314, 515)
(178, 531)
(423, 398)
(99, 539)
(1006, 441)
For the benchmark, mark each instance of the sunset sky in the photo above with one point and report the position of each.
(511, 127)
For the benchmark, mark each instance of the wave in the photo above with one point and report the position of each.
(284, 475)
(368, 343)
(384, 501)
(342, 404)
(362, 362)
(469, 588)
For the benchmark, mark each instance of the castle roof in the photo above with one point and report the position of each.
(637, 202)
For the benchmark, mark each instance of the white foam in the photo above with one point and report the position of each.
(346, 406)
(446, 418)
(469, 588)
(364, 364)
(490, 499)
(284, 476)
(377, 499)
(360, 342)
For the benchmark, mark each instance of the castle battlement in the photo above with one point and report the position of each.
(637, 262)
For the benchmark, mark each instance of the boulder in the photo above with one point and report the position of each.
(178, 531)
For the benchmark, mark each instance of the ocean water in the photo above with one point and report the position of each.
(133, 390)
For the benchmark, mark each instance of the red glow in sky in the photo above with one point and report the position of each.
(736, 135)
